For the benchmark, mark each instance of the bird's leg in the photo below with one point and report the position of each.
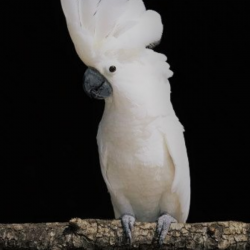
(164, 222)
(128, 224)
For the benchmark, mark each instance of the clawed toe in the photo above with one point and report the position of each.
(163, 225)
(128, 224)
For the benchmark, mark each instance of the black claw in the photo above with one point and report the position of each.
(163, 226)
(128, 224)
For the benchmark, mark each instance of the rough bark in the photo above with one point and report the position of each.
(102, 234)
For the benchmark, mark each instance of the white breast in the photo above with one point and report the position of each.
(137, 164)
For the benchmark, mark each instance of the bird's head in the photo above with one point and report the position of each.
(108, 36)
(108, 72)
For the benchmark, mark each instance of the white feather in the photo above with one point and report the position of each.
(83, 44)
(133, 11)
(94, 23)
(175, 142)
(107, 15)
(80, 35)
(71, 11)
(87, 12)
(148, 30)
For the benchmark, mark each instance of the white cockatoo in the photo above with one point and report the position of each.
(141, 145)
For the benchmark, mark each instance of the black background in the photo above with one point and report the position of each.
(49, 165)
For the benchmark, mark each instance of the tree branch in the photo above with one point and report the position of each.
(103, 234)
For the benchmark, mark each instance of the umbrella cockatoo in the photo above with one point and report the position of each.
(140, 140)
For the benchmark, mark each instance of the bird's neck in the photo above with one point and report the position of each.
(139, 108)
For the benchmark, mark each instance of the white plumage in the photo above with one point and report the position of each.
(141, 144)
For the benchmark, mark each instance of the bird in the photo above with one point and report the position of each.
(142, 151)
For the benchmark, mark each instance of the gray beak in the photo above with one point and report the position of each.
(96, 85)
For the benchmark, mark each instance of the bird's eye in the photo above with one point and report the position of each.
(112, 69)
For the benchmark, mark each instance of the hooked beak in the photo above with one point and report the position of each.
(96, 85)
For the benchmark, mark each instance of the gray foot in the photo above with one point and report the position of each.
(163, 225)
(128, 224)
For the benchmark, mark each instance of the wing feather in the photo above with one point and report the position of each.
(177, 149)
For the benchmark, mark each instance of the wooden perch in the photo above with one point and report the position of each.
(104, 234)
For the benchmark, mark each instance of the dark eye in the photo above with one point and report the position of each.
(112, 69)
